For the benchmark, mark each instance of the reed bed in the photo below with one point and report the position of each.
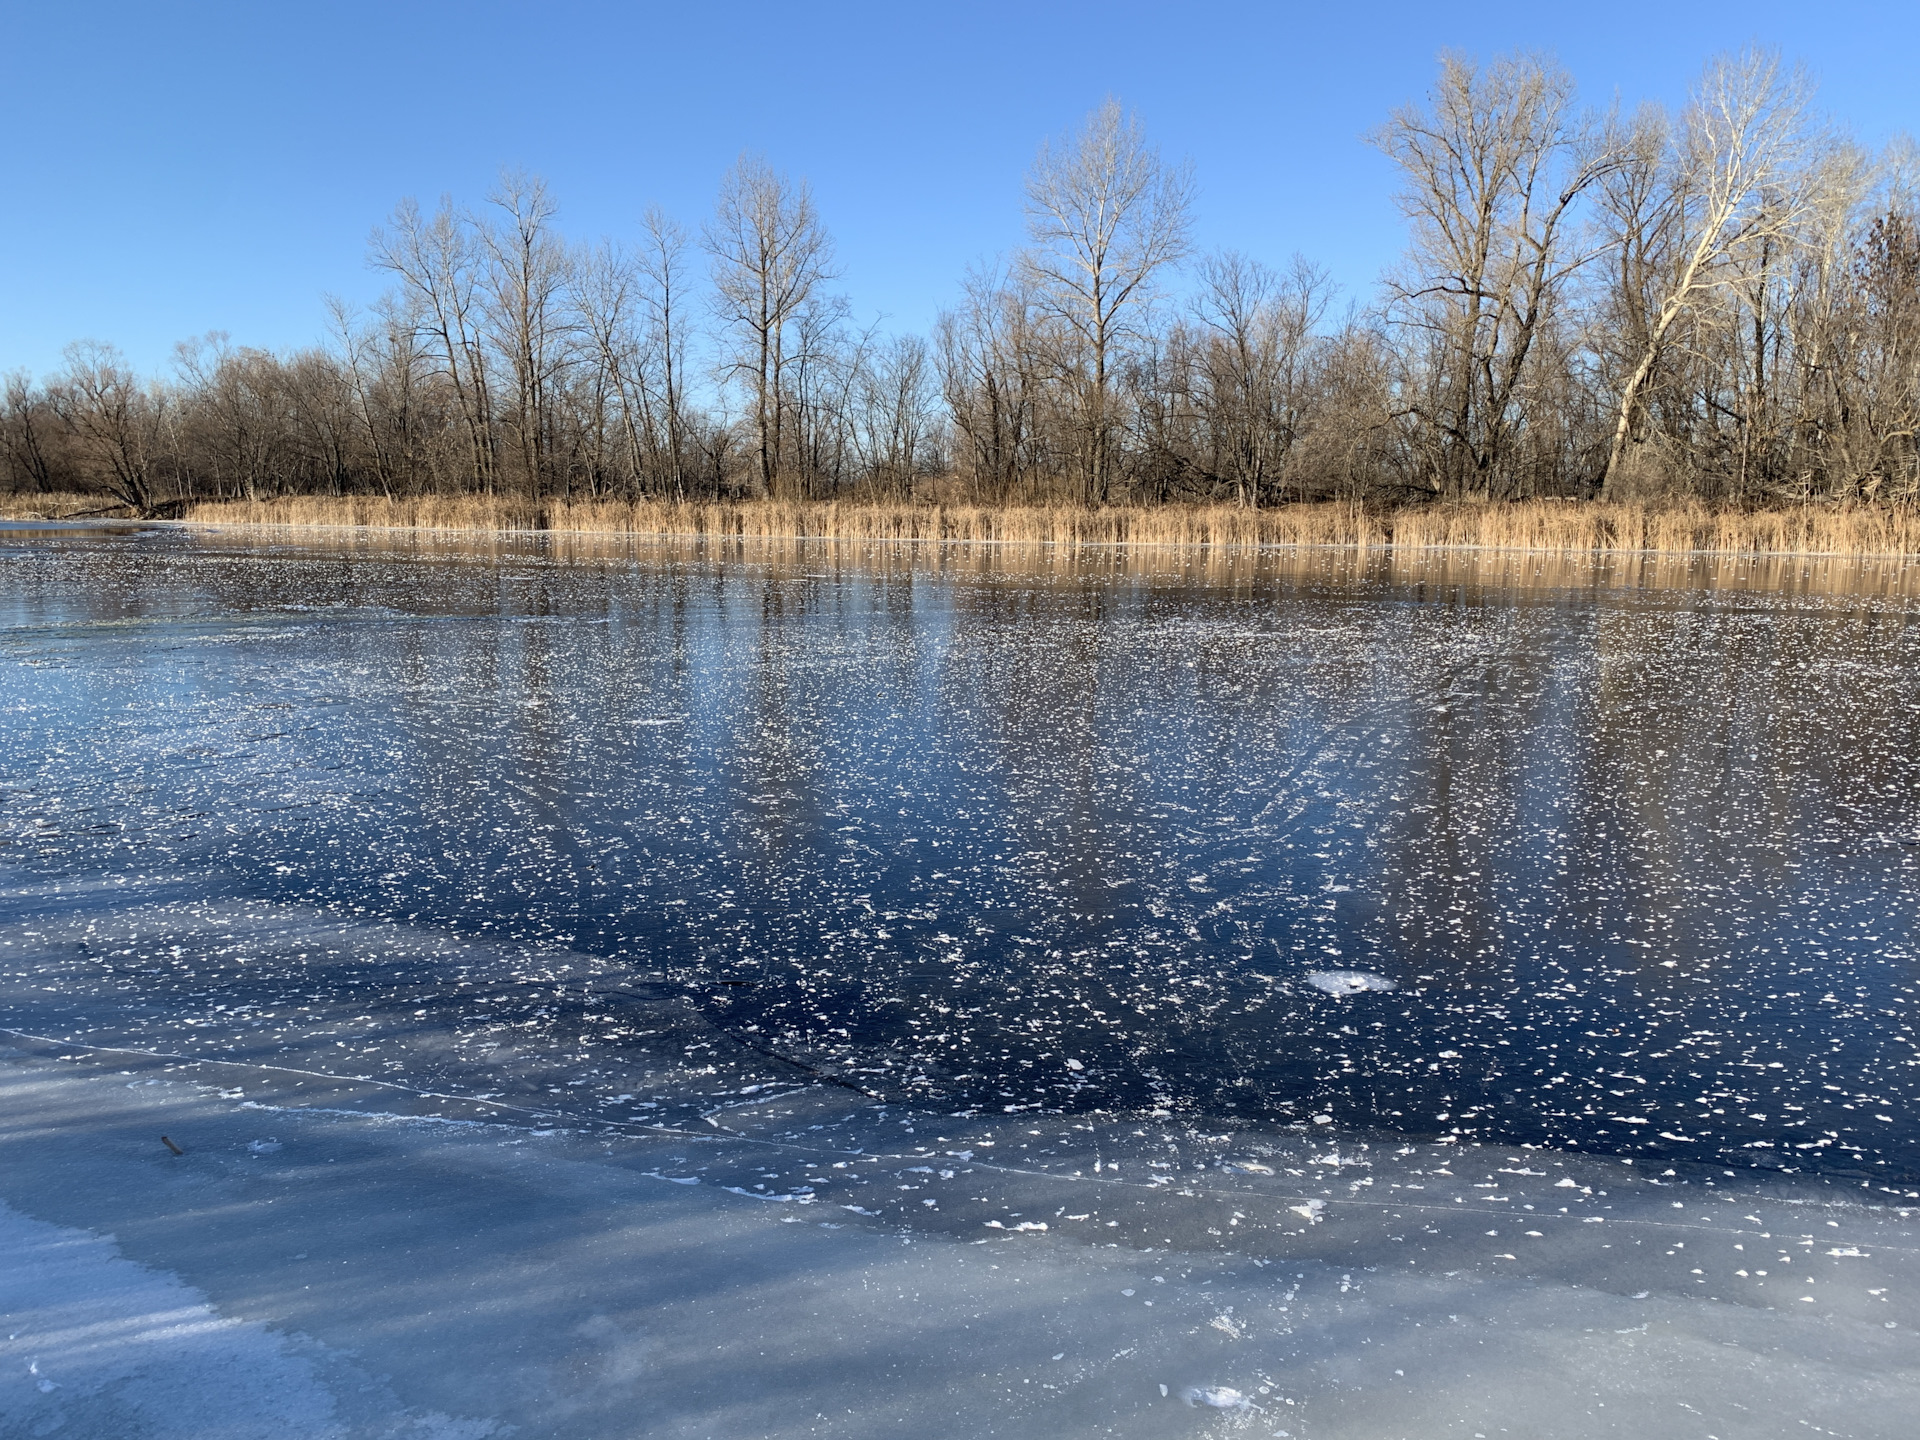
(826, 520)
(1551, 527)
(60, 505)
(1572, 528)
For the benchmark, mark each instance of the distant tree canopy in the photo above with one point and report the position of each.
(1719, 304)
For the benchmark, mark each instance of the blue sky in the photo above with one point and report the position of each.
(178, 168)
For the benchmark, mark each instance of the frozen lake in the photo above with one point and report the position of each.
(1637, 863)
(1335, 879)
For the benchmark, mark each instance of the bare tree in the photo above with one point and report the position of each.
(25, 416)
(115, 419)
(1735, 176)
(1493, 167)
(895, 427)
(525, 279)
(438, 266)
(822, 370)
(770, 254)
(317, 402)
(1357, 444)
(1252, 363)
(380, 365)
(605, 300)
(990, 382)
(631, 317)
(663, 268)
(1106, 216)
(233, 414)
(1874, 422)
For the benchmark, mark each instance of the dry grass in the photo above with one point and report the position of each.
(1571, 528)
(1564, 528)
(1540, 527)
(836, 520)
(58, 506)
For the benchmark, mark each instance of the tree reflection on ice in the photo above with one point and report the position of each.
(1554, 861)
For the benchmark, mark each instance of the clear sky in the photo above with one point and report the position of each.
(176, 168)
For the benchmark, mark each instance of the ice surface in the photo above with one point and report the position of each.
(1500, 982)
(116, 1349)
(499, 1280)
(987, 838)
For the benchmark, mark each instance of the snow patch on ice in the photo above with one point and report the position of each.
(1349, 982)
(1216, 1397)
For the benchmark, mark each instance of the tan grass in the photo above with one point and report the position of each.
(1540, 527)
(1552, 527)
(58, 506)
(1569, 527)
(837, 520)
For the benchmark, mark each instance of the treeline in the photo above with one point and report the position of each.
(1718, 304)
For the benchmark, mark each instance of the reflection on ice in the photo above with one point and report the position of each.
(782, 919)
(1604, 869)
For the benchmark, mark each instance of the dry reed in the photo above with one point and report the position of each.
(1538, 527)
(59, 505)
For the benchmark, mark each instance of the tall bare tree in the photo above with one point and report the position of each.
(526, 277)
(1874, 426)
(895, 425)
(380, 362)
(1106, 216)
(770, 255)
(437, 263)
(663, 270)
(235, 412)
(1492, 169)
(1735, 176)
(605, 300)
